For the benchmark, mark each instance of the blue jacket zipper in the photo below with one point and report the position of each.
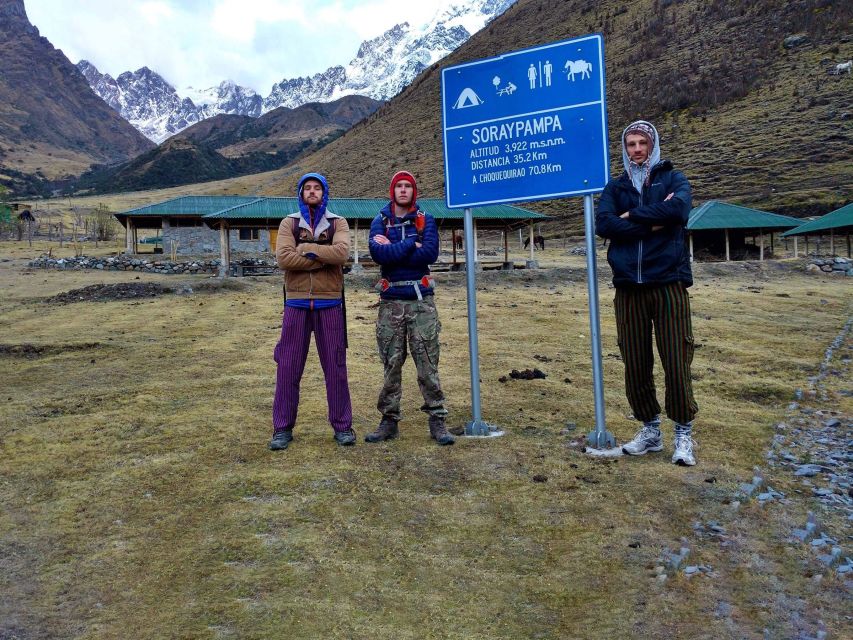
(640, 250)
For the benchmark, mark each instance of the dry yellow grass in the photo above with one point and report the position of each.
(139, 499)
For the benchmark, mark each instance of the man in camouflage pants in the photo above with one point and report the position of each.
(404, 242)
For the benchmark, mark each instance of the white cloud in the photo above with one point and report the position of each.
(202, 42)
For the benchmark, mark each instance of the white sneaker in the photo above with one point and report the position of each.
(647, 439)
(684, 450)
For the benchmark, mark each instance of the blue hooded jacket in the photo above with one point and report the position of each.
(402, 260)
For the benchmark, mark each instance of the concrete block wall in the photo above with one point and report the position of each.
(203, 240)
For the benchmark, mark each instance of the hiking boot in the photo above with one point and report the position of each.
(345, 438)
(387, 430)
(684, 450)
(438, 431)
(280, 439)
(647, 439)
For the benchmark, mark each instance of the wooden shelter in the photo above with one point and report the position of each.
(839, 221)
(721, 225)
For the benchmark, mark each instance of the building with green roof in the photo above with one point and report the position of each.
(839, 221)
(720, 226)
(211, 224)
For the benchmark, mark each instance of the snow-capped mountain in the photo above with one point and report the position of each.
(155, 108)
(385, 65)
(382, 67)
(228, 98)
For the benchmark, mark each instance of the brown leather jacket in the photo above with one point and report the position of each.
(308, 278)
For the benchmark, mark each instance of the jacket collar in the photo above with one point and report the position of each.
(387, 212)
(663, 165)
(321, 226)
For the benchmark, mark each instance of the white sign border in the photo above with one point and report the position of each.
(529, 198)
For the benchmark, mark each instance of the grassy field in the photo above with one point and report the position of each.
(139, 499)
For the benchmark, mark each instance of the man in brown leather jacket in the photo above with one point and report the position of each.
(311, 249)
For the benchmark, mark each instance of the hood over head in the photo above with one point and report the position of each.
(320, 211)
(639, 174)
(405, 175)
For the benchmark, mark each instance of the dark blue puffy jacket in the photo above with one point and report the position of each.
(638, 255)
(402, 260)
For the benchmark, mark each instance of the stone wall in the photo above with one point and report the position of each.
(127, 263)
(203, 240)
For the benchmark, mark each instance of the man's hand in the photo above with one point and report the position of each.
(657, 227)
(669, 197)
(380, 239)
(624, 216)
(418, 245)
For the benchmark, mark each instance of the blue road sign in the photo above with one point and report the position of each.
(526, 125)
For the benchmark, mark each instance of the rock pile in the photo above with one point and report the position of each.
(127, 263)
(835, 266)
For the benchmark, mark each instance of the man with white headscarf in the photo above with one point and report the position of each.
(644, 214)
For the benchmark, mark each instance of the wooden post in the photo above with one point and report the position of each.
(690, 236)
(807, 245)
(224, 250)
(795, 247)
(453, 236)
(520, 239)
(506, 244)
(761, 245)
(772, 250)
(832, 242)
(355, 244)
(532, 244)
(60, 233)
(848, 244)
(728, 254)
(129, 248)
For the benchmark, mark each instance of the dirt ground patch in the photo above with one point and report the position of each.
(31, 351)
(105, 292)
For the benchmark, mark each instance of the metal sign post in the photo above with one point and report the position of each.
(600, 437)
(527, 125)
(476, 427)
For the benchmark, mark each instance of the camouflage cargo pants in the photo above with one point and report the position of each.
(415, 321)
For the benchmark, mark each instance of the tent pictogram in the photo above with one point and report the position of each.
(467, 99)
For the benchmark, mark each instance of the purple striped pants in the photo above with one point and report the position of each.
(290, 354)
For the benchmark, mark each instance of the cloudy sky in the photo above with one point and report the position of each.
(199, 43)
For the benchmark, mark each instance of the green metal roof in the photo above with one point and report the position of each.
(715, 214)
(189, 206)
(837, 219)
(258, 208)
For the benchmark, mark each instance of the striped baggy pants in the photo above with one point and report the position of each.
(665, 308)
(290, 355)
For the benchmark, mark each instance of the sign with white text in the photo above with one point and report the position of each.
(526, 125)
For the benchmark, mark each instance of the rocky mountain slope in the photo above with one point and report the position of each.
(51, 123)
(231, 145)
(153, 106)
(382, 67)
(748, 113)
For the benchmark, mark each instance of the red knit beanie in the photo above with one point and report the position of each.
(404, 175)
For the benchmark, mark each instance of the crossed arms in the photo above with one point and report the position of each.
(643, 220)
(310, 256)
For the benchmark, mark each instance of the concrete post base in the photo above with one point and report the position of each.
(531, 264)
